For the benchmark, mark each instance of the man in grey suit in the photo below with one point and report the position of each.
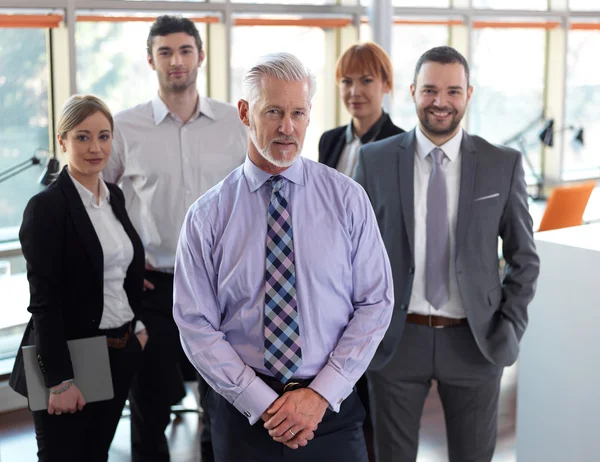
(442, 198)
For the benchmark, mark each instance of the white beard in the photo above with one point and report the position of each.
(266, 152)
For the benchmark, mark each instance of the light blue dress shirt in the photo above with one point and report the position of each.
(343, 282)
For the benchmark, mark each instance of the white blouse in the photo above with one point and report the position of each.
(117, 250)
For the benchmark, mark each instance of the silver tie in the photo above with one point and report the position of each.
(437, 289)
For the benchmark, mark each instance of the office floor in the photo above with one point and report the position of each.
(17, 440)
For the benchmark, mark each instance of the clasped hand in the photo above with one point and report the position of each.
(294, 417)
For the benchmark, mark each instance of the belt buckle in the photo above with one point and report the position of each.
(432, 326)
(292, 386)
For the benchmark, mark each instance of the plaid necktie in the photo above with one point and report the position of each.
(437, 290)
(282, 335)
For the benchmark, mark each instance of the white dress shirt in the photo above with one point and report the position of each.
(451, 167)
(163, 166)
(349, 157)
(117, 250)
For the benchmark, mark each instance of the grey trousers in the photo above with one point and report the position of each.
(468, 385)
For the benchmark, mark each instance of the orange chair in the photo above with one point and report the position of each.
(566, 206)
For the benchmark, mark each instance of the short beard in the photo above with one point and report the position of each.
(176, 87)
(454, 123)
(266, 151)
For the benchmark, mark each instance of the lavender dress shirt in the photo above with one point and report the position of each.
(343, 282)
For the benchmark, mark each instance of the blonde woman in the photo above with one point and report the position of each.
(85, 266)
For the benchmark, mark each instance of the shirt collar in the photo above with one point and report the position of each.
(371, 133)
(160, 109)
(451, 147)
(87, 197)
(257, 177)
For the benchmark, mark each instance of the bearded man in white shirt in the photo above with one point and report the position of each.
(166, 153)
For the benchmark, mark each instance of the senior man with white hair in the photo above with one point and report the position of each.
(283, 288)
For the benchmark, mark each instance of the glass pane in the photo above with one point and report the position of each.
(24, 127)
(13, 309)
(112, 63)
(289, 2)
(512, 4)
(583, 100)
(307, 43)
(166, 0)
(408, 44)
(508, 98)
(414, 3)
(584, 5)
(366, 32)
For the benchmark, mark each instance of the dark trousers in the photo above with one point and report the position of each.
(468, 385)
(362, 388)
(338, 438)
(159, 381)
(206, 451)
(86, 435)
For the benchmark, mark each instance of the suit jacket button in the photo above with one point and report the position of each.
(40, 357)
(411, 270)
(403, 307)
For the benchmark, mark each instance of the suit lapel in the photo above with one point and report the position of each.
(81, 220)
(337, 150)
(387, 129)
(406, 180)
(467, 182)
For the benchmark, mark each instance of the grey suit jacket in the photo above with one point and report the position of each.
(492, 203)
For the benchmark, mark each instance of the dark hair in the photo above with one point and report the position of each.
(442, 55)
(166, 24)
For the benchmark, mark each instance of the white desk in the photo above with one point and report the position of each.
(558, 406)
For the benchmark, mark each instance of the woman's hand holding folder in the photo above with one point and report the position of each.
(65, 398)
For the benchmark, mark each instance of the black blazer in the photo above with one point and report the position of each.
(65, 269)
(333, 142)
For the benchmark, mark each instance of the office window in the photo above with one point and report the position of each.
(409, 42)
(507, 73)
(365, 32)
(112, 63)
(582, 102)
(24, 128)
(289, 2)
(308, 44)
(584, 5)
(415, 3)
(24, 85)
(512, 4)
(166, 0)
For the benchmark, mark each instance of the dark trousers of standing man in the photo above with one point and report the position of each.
(468, 385)
(159, 381)
(338, 438)
(86, 435)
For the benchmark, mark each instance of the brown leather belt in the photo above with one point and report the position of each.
(118, 338)
(281, 388)
(435, 321)
(118, 343)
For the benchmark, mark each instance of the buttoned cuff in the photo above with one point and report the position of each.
(255, 400)
(332, 386)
